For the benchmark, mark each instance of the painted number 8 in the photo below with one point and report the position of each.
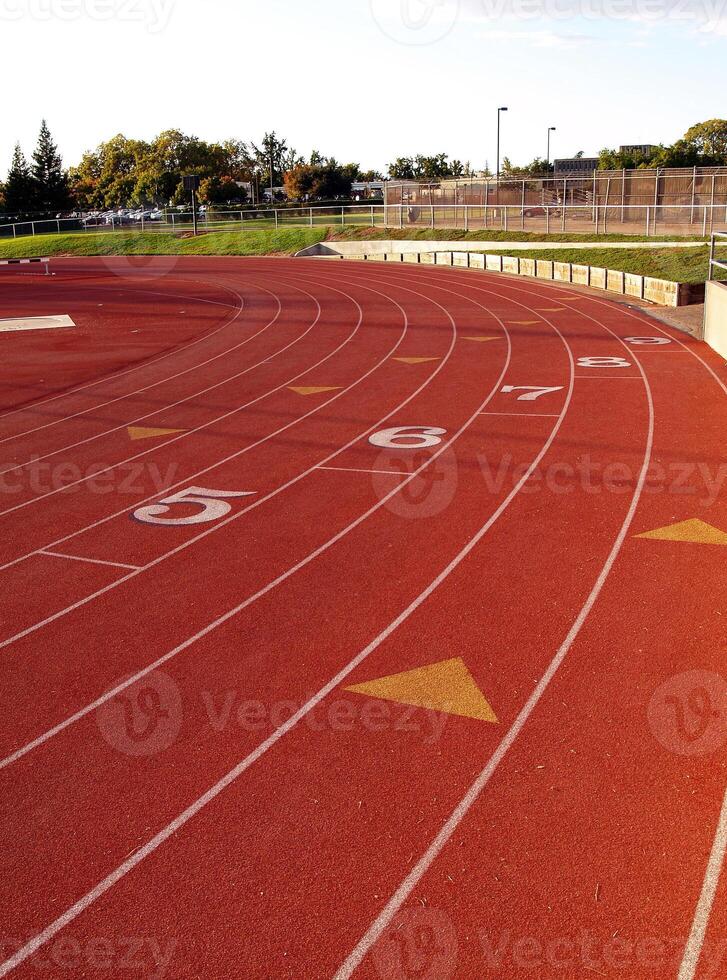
(603, 362)
(408, 437)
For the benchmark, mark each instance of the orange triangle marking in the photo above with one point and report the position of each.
(447, 687)
(136, 433)
(552, 309)
(688, 532)
(524, 323)
(416, 360)
(481, 340)
(311, 390)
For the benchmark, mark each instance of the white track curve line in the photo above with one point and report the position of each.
(168, 442)
(136, 391)
(168, 406)
(120, 872)
(35, 743)
(136, 367)
(440, 841)
(227, 459)
(703, 911)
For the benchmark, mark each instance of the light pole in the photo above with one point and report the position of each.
(502, 108)
(551, 129)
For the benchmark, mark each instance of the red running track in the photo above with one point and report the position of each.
(190, 788)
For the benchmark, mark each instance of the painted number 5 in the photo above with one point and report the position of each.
(212, 502)
(408, 437)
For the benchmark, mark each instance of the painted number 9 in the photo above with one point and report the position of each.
(408, 437)
(647, 341)
(603, 362)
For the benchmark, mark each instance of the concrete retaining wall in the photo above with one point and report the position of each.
(659, 291)
(715, 317)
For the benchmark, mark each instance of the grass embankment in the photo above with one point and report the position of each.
(282, 242)
(457, 235)
(687, 265)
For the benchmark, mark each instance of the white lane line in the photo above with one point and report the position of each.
(354, 469)
(120, 872)
(40, 740)
(608, 377)
(400, 896)
(52, 322)
(168, 406)
(92, 561)
(136, 367)
(693, 949)
(523, 415)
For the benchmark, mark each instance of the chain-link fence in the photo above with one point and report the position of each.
(172, 221)
(634, 202)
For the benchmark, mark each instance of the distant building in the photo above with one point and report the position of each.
(644, 148)
(574, 165)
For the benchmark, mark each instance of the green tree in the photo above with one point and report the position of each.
(709, 140)
(19, 186)
(51, 182)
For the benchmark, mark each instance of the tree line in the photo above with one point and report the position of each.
(124, 172)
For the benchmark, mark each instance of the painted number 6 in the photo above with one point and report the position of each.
(212, 503)
(408, 437)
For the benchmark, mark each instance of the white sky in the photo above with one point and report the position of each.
(364, 80)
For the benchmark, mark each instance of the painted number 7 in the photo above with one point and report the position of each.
(533, 391)
(212, 502)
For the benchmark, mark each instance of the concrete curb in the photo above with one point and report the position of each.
(662, 292)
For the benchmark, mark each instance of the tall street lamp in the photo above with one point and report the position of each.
(502, 108)
(551, 129)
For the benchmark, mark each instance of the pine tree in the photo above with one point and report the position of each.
(19, 187)
(51, 183)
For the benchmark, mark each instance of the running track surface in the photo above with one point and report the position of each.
(191, 788)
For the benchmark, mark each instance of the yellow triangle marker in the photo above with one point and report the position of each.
(313, 390)
(481, 340)
(524, 323)
(688, 532)
(416, 360)
(136, 433)
(447, 687)
(552, 309)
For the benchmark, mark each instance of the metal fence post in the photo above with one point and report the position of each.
(343, 216)
(276, 219)
(648, 222)
(704, 223)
